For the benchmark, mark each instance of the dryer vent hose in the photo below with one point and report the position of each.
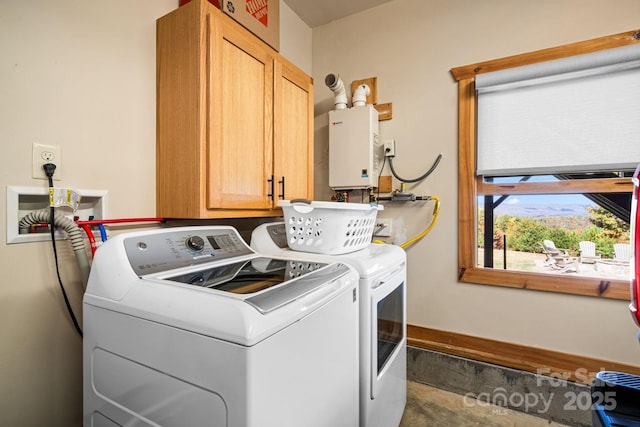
(76, 236)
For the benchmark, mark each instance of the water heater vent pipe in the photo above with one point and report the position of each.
(360, 95)
(334, 83)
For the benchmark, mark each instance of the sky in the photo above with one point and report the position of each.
(560, 199)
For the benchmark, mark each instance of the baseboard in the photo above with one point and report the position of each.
(536, 360)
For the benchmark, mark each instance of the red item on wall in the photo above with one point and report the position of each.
(635, 248)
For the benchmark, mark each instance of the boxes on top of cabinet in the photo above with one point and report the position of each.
(216, 3)
(261, 17)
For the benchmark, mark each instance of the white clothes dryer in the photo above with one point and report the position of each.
(190, 327)
(383, 322)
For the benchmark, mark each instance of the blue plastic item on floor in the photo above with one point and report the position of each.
(615, 399)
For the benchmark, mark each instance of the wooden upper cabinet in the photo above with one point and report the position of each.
(240, 81)
(293, 133)
(234, 119)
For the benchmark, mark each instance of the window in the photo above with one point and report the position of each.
(518, 176)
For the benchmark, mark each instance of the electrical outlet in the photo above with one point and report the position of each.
(383, 227)
(390, 147)
(43, 154)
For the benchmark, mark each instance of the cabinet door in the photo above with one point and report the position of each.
(240, 133)
(293, 132)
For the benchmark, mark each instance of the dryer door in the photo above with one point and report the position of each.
(388, 321)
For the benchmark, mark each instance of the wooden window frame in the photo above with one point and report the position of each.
(470, 185)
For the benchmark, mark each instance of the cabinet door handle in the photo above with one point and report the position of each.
(282, 193)
(271, 188)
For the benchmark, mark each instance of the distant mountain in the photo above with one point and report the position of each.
(541, 210)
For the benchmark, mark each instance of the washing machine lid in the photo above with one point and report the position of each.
(375, 259)
(240, 311)
(262, 280)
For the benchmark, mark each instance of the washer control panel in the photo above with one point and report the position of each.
(173, 248)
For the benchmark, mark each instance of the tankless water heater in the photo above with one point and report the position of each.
(353, 140)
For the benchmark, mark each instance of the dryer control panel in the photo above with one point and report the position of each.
(175, 248)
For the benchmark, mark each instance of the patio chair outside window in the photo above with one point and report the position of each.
(622, 253)
(588, 252)
(557, 258)
(550, 247)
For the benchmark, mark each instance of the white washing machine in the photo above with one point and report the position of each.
(383, 322)
(190, 327)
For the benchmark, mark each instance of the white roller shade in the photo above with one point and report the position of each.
(576, 114)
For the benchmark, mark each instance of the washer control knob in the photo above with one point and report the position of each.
(195, 243)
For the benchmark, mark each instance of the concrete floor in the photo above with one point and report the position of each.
(429, 406)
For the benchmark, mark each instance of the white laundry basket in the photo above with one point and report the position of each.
(328, 227)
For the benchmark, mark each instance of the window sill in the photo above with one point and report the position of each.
(589, 286)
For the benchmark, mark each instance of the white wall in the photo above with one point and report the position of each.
(411, 45)
(295, 38)
(81, 75)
